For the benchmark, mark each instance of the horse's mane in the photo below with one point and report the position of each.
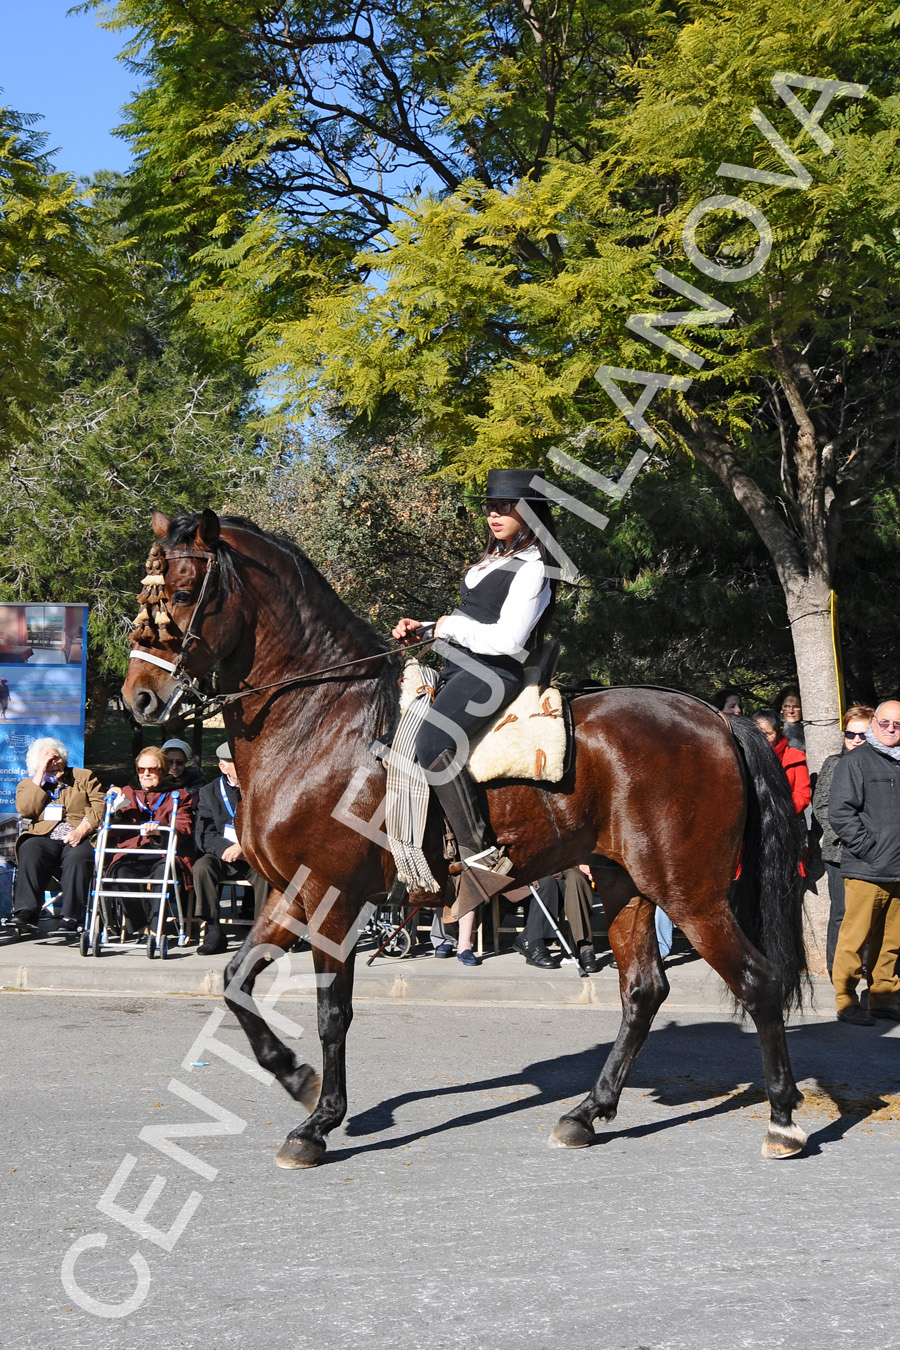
(336, 614)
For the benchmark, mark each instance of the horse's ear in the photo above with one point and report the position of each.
(160, 524)
(207, 536)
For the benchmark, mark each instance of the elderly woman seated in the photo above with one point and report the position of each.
(63, 808)
(150, 806)
(183, 775)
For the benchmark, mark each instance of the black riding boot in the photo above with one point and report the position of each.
(490, 872)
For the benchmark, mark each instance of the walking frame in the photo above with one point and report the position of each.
(107, 893)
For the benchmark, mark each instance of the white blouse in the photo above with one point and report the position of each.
(528, 597)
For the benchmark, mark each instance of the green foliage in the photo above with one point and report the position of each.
(146, 414)
(278, 145)
(390, 535)
(50, 264)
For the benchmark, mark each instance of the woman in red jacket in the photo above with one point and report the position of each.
(793, 761)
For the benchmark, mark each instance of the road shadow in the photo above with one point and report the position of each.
(702, 1070)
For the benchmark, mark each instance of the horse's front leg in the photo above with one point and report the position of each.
(305, 1146)
(267, 937)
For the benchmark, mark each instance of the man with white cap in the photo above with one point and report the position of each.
(222, 858)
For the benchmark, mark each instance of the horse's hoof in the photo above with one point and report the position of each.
(304, 1085)
(783, 1141)
(297, 1152)
(569, 1133)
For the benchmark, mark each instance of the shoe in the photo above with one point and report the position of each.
(25, 928)
(535, 953)
(587, 959)
(213, 942)
(443, 950)
(889, 1013)
(468, 958)
(855, 1016)
(65, 926)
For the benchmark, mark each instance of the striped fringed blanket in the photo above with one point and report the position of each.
(406, 805)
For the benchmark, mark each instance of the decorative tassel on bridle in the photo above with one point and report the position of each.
(152, 599)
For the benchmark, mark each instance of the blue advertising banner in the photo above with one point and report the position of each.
(43, 678)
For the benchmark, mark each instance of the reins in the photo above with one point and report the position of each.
(314, 676)
(187, 685)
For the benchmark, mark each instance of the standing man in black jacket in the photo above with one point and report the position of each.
(864, 812)
(221, 856)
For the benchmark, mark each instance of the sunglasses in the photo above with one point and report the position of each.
(500, 507)
(149, 768)
(888, 725)
(854, 735)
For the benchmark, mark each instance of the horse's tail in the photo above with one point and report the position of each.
(767, 896)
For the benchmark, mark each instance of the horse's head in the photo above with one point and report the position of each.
(188, 618)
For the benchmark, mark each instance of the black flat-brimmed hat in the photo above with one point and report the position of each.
(512, 485)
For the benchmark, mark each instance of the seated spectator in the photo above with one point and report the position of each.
(64, 807)
(149, 807)
(574, 888)
(864, 812)
(856, 723)
(728, 700)
(788, 707)
(183, 775)
(221, 858)
(793, 761)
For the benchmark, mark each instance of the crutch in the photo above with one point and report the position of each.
(558, 931)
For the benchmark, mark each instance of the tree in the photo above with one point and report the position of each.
(786, 394)
(150, 415)
(276, 143)
(49, 264)
(558, 155)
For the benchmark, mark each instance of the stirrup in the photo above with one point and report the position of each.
(493, 860)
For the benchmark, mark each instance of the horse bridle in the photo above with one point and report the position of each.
(187, 686)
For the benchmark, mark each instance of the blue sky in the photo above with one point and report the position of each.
(64, 67)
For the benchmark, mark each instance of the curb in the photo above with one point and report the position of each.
(502, 979)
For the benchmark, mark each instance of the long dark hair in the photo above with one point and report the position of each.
(525, 537)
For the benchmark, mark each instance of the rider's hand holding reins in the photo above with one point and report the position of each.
(409, 631)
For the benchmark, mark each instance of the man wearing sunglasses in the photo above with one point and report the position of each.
(864, 812)
(857, 721)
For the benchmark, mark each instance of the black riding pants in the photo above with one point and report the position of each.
(498, 682)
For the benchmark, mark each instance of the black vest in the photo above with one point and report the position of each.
(484, 602)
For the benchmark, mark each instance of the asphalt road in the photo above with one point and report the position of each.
(441, 1219)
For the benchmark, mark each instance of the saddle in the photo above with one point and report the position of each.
(529, 738)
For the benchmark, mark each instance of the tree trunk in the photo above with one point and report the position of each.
(809, 612)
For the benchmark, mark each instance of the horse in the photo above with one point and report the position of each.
(668, 799)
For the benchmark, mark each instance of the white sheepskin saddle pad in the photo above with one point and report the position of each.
(528, 739)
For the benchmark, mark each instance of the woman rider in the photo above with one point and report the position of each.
(506, 601)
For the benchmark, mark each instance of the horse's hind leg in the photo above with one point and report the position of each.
(267, 938)
(643, 987)
(754, 983)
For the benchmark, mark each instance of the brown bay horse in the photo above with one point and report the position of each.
(661, 785)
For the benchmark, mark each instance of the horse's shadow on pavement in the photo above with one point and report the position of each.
(708, 1069)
